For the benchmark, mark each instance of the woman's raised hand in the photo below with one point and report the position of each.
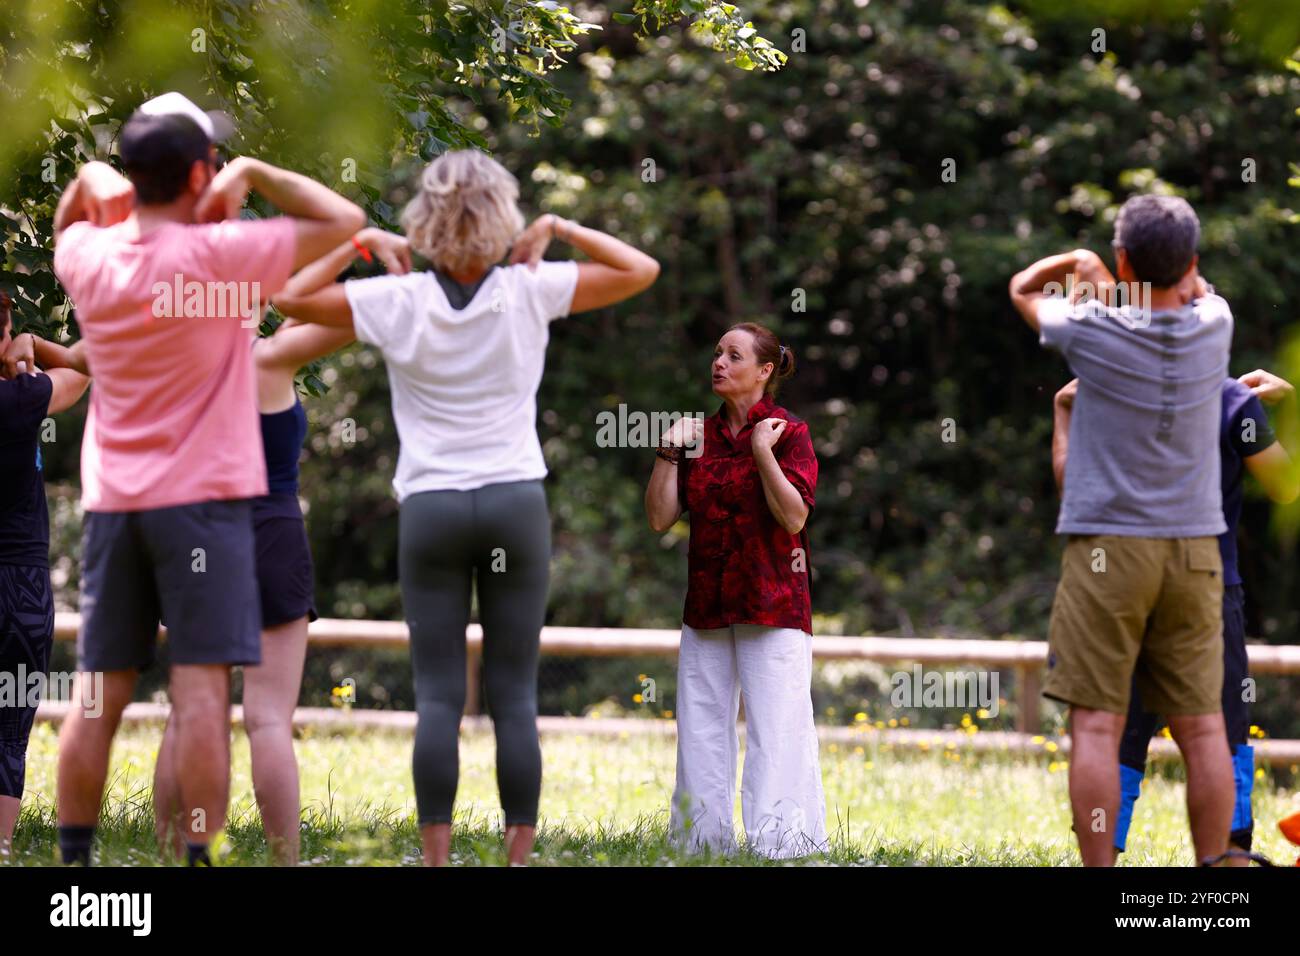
(22, 349)
(766, 433)
(226, 193)
(532, 242)
(1268, 388)
(394, 251)
(684, 433)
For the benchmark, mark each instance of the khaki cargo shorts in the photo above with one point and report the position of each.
(1144, 609)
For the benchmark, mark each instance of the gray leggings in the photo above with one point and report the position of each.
(502, 533)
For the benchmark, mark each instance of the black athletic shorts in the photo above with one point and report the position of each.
(26, 636)
(190, 565)
(284, 568)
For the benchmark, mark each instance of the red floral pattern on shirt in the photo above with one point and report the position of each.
(744, 568)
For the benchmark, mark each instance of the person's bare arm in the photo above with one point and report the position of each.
(329, 306)
(662, 506)
(617, 271)
(1062, 409)
(296, 343)
(1276, 473)
(1081, 269)
(36, 352)
(389, 248)
(35, 355)
(99, 194)
(312, 295)
(323, 218)
(783, 498)
(53, 355)
(1273, 467)
(69, 386)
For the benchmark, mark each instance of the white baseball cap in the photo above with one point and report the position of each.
(214, 123)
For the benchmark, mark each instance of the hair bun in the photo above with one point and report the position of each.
(785, 364)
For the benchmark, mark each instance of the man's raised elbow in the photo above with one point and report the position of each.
(356, 220)
(347, 222)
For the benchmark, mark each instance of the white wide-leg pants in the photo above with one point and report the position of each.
(782, 805)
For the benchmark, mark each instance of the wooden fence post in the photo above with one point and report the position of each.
(472, 668)
(1029, 688)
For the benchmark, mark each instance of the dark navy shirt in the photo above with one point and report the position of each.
(24, 518)
(283, 434)
(1244, 431)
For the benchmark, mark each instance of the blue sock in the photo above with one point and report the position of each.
(1243, 765)
(1130, 785)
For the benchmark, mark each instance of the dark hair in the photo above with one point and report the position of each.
(768, 348)
(6, 309)
(158, 153)
(1159, 234)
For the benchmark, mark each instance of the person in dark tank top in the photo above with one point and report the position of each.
(284, 565)
(283, 434)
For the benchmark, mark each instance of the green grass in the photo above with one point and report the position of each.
(604, 802)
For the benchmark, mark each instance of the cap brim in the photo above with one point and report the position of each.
(222, 126)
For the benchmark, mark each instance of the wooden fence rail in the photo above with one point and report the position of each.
(1025, 658)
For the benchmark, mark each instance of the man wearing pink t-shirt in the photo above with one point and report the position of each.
(168, 297)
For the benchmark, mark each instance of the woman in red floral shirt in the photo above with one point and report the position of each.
(747, 475)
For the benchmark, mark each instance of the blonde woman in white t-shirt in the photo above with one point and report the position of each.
(465, 346)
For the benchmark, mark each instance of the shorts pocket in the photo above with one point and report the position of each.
(1203, 555)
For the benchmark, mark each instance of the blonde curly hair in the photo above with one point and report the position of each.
(465, 213)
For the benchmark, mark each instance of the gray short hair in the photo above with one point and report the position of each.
(465, 212)
(1160, 235)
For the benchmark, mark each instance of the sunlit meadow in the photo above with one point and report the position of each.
(604, 803)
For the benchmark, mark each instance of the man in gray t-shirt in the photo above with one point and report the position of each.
(1140, 595)
(1144, 441)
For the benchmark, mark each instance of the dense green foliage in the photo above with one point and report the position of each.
(814, 199)
(344, 90)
